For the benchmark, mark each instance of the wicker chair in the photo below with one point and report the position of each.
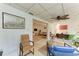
(25, 46)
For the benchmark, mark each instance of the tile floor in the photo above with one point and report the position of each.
(38, 46)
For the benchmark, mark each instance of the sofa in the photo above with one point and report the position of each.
(62, 51)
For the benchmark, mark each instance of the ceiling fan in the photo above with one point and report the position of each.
(64, 17)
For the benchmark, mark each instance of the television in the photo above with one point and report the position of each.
(35, 29)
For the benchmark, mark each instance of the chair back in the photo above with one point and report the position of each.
(25, 39)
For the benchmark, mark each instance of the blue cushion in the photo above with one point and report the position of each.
(57, 53)
(64, 49)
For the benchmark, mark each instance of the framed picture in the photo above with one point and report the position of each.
(10, 21)
(63, 27)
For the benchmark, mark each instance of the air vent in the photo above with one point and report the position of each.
(31, 13)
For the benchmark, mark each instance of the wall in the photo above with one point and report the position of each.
(73, 25)
(10, 38)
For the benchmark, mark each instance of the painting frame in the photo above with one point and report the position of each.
(9, 25)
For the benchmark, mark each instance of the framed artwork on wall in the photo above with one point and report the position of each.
(63, 27)
(10, 21)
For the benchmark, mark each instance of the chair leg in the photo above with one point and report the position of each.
(48, 53)
(19, 53)
(22, 53)
(33, 51)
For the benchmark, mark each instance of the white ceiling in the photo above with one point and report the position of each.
(47, 11)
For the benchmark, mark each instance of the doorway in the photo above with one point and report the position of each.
(39, 30)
